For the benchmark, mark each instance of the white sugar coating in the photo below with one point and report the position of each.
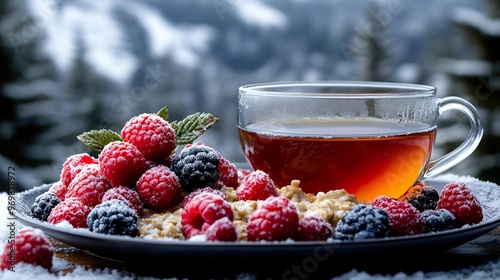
(310, 220)
(64, 224)
(198, 238)
(114, 205)
(258, 175)
(440, 215)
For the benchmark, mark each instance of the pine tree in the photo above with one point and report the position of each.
(374, 59)
(7, 120)
(43, 108)
(27, 90)
(473, 67)
(84, 105)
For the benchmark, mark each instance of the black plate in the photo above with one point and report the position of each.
(124, 248)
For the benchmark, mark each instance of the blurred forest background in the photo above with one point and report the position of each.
(69, 66)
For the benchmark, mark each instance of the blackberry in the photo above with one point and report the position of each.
(439, 220)
(196, 167)
(113, 217)
(44, 203)
(421, 197)
(363, 222)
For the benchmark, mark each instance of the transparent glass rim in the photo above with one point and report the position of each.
(367, 89)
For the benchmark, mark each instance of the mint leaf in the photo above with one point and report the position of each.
(192, 127)
(163, 113)
(97, 139)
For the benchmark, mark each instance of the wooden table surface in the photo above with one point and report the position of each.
(476, 252)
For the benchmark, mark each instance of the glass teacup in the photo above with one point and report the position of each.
(368, 138)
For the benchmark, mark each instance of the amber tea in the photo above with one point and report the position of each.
(365, 157)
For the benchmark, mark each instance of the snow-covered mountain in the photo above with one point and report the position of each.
(82, 64)
(105, 28)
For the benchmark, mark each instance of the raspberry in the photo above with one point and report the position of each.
(404, 218)
(228, 174)
(88, 186)
(439, 220)
(242, 174)
(202, 211)
(421, 196)
(190, 196)
(221, 230)
(122, 164)
(312, 228)
(159, 188)
(363, 222)
(113, 217)
(71, 210)
(153, 136)
(31, 246)
(275, 219)
(73, 165)
(44, 203)
(59, 190)
(129, 196)
(457, 198)
(256, 186)
(197, 166)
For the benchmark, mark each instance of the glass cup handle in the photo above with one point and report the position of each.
(449, 160)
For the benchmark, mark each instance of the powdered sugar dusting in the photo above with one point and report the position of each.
(64, 224)
(198, 238)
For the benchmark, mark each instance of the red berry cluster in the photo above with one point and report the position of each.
(422, 209)
(205, 211)
(133, 167)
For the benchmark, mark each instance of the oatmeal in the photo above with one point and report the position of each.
(330, 206)
(295, 193)
(243, 209)
(161, 225)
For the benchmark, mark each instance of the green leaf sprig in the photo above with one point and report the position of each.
(192, 127)
(186, 131)
(97, 139)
